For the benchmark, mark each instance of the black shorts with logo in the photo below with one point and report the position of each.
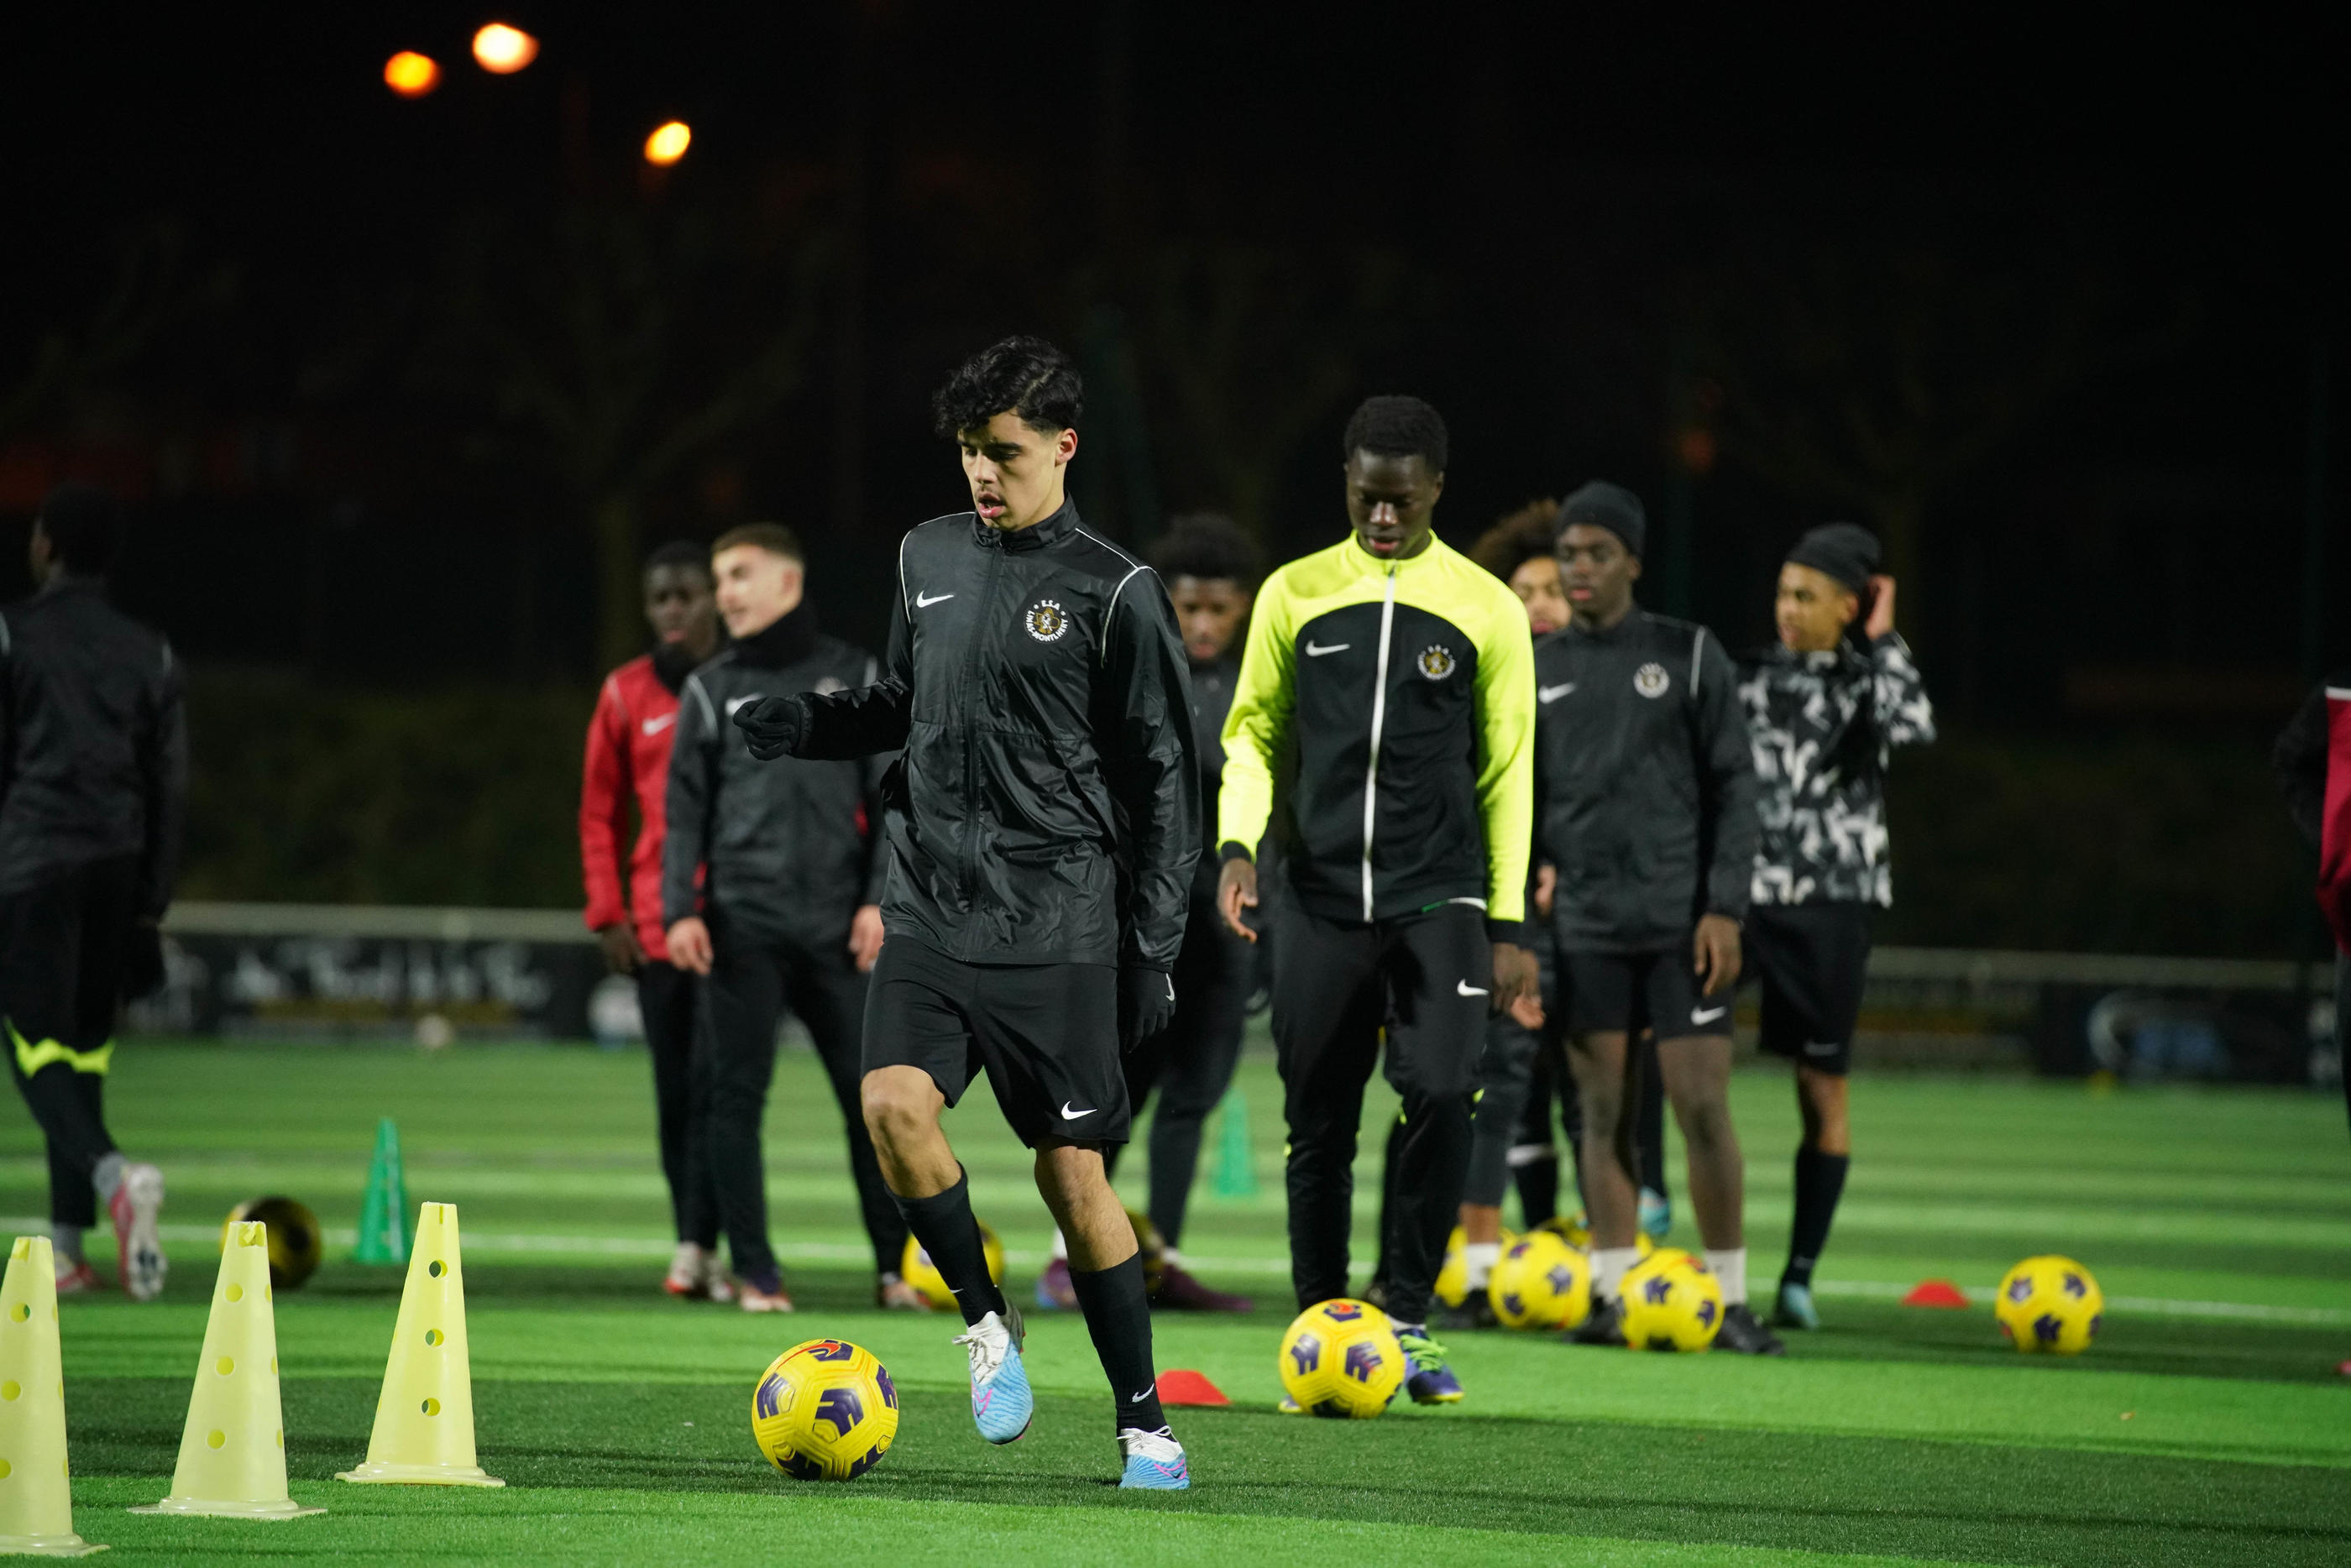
(1813, 960)
(1607, 992)
(1046, 1034)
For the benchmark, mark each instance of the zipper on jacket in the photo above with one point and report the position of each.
(1379, 720)
(979, 650)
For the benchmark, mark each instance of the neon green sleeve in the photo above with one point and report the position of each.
(1506, 772)
(1259, 720)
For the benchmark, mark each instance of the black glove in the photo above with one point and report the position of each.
(142, 962)
(772, 726)
(1146, 1004)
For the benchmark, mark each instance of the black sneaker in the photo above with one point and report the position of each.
(1605, 1326)
(1476, 1311)
(1743, 1333)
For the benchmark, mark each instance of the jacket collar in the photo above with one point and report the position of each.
(1037, 535)
(1370, 565)
(784, 641)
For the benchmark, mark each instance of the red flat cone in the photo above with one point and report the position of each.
(1181, 1387)
(2344, 1369)
(1935, 1294)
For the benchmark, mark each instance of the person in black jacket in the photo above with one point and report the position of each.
(93, 791)
(1646, 815)
(788, 909)
(1045, 829)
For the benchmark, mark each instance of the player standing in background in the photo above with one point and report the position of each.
(1397, 673)
(628, 764)
(93, 794)
(2314, 767)
(771, 884)
(1646, 785)
(1210, 566)
(1045, 827)
(1825, 705)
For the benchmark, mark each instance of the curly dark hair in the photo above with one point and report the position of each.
(1207, 545)
(1026, 375)
(1397, 427)
(1518, 538)
(680, 553)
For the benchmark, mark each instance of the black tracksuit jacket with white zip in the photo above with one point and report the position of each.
(1644, 783)
(1047, 796)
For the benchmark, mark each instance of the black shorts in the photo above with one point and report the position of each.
(1629, 992)
(1047, 1034)
(1813, 960)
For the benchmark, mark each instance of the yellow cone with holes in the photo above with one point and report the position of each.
(424, 1421)
(233, 1452)
(36, 1499)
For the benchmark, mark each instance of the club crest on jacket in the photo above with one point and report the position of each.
(1437, 661)
(1045, 620)
(1651, 681)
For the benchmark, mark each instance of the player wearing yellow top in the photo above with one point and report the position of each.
(1389, 682)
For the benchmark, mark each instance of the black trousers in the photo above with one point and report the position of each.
(665, 998)
(1425, 981)
(754, 975)
(1191, 1064)
(62, 943)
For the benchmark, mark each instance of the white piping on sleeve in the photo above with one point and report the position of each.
(1110, 607)
(709, 713)
(1698, 647)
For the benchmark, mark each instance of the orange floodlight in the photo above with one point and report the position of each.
(502, 50)
(412, 75)
(667, 144)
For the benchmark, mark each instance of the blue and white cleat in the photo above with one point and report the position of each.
(1656, 1214)
(1795, 1308)
(1154, 1462)
(1001, 1404)
(1427, 1379)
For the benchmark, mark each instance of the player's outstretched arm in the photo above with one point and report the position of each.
(838, 726)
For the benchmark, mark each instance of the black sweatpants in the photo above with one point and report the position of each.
(1190, 1064)
(754, 975)
(665, 998)
(62, 942)
(1426, 981)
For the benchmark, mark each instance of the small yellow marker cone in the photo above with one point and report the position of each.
(233, 1451)
(36, 1499)
(424, 1421)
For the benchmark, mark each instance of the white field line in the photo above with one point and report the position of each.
(848, 1252)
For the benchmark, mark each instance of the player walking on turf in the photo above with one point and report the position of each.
(628, 764)
(2312, 758)
(1827, 705)
(787, 908)
(1046, 826)
(93, 791)
(1397, 671)
(1648, 801)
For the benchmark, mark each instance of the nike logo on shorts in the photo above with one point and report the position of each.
(1706, 1014)
(1463, 988)
(1553, 693)
(1316, 649)
(655, 726)
(1820, 1048)
(1070, 1116)
(924, 601)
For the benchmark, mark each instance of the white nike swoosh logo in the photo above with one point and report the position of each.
(1552, 693)
(1464, 988)
(1709, 1016)
(1070, 1116)
(924, 601)
(655, 726)
(1316, 650)
(735, 703)
(1139, 1398)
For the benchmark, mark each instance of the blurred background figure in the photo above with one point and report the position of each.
(628, 767)
(2314, 767)
(93, 791)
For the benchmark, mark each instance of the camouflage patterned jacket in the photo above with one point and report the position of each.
(1824, 726)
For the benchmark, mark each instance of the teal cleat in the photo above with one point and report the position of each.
(1001, 1404)
(1153, 1461)
(1795, 1308)
(1656, 1214)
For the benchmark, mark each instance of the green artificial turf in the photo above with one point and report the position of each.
(2208, 1426)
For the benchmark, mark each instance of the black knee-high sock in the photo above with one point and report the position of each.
(1537, 1181)
(944, 1224)
(1819, 1181)
(1118, 1315)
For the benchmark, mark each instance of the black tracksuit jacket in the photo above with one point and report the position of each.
(1644, 783)
(1048, 800)
(93, 742)
(792, 848)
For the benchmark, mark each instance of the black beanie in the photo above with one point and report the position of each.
(1846, 551)
(1601, 504)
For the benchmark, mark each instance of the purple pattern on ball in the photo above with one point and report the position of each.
(1307, 1352)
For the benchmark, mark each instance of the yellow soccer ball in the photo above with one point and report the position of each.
(1452, 1285)
(2049, 1304)
(824, 1410)
(915, 1267)
(1575, 1233)
(1540, 1282)
(295, 1243)
(1341, 1359)
(1672, 1302)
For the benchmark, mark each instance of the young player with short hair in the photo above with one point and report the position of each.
(786, 910)
(1046, 823)
(627, 766)
(93, 794)
(1826, 704)
(1397, 672)
(1648, 799)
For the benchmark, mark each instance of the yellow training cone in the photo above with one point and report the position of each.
(424, 1421)
(35, 1501)
(233, 1451)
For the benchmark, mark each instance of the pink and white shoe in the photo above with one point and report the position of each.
(77, 1279)
(717, 1285)
(137, 1203)
(751, 1298)
(686, 1271)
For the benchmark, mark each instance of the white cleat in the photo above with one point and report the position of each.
(137, 1204)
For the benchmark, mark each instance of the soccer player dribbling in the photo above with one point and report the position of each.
(1045, 828)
